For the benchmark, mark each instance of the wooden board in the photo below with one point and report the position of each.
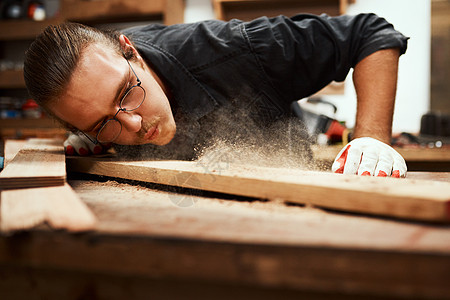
(401, 198)
(152, 249)
(57, 206)
(41, 162)
(12, 147)
(249, 9)
(82, 10)
(35, 192)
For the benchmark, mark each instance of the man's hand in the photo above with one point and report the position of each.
(375, 80)
(81, 145)
(369, 157)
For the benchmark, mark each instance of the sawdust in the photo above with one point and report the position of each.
(138, 193)
(234, 137)
(243, 132)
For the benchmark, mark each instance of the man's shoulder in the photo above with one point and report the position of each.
(182, 31)
(192, 44)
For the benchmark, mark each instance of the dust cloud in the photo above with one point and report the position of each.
(234, 137)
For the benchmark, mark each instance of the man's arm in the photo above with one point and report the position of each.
(375, 80)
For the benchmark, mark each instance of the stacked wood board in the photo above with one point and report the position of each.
(401, 198)
(34, 190)
(41, 162)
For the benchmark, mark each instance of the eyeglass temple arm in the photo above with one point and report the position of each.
(137, 78)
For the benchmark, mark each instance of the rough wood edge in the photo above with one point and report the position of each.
(401, 198)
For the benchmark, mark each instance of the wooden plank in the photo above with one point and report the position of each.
(12, 78)
(341, 271)
(22, 123)
(250, 9)
(38, 170)
(143, 239)
(57, 206)
(140, 209)
(40, 163)
(108, 9)
(435, 176)
(141, 233)
(12, 147)
(20, 30)
(401, 198)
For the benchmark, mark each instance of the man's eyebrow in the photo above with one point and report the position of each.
(119, 93)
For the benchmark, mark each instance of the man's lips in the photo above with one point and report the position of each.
(152, 133)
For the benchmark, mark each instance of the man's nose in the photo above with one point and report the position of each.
(130, 121)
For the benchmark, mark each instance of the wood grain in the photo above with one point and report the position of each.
(58, 206)
(401, 198)
(143, 239)
(108, 9)
(41, 162)
(12, 147)
(142, 234)
(247, 10)
(35, 192)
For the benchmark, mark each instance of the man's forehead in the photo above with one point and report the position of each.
(98, 67)
(96, 55)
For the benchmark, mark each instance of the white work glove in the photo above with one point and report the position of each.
(369, 157)
(81, 145)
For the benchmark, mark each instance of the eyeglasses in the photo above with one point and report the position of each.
(133, 98)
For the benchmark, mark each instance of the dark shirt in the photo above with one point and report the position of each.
(236, 80)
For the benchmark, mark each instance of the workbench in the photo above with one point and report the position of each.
(156, 242)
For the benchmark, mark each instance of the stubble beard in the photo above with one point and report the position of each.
(146, 127)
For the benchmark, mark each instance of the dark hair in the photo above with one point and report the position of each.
(53, 56)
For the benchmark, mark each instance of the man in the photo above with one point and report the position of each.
(179, 87)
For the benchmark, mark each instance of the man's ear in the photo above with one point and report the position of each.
(126, 45)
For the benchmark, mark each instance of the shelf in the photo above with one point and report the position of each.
(11, 30)
(250, 9)
(12, 79)
(26, 128)
(110, 9)
(28, 123)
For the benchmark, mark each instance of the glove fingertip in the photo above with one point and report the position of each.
(339, 168)
(382, 174)
(83, 151)
(340, 161)
(70, 150)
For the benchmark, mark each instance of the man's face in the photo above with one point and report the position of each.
(96, 88)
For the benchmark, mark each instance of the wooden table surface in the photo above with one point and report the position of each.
(154, 242)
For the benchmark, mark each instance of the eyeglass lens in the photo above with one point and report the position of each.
(133, 98)
(131, 101)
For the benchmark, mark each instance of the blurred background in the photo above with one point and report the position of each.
(422, 105)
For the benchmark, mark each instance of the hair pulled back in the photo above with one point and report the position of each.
(53, 56)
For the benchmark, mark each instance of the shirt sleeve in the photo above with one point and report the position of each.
(302, 54)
